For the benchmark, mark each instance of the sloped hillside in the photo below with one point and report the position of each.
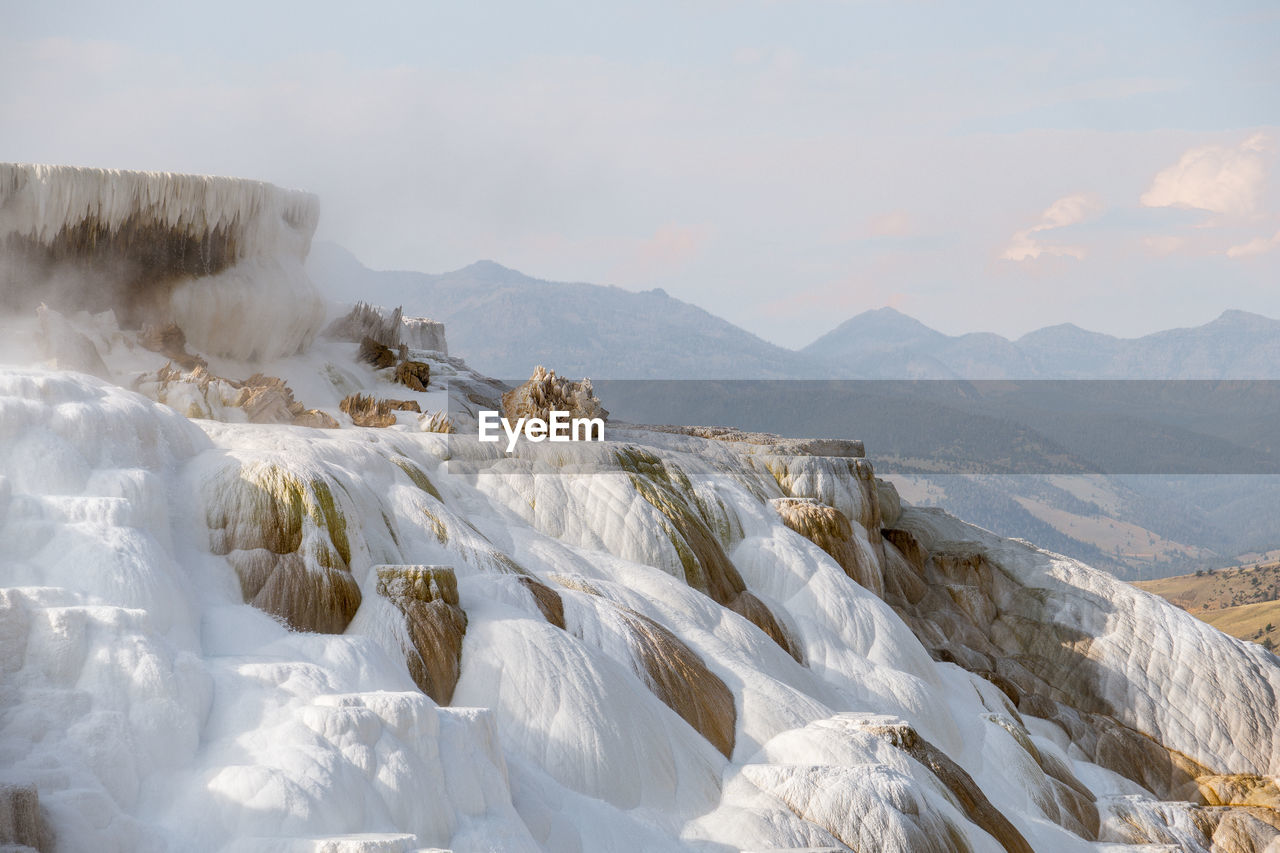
(1243, 601)
(235, 618)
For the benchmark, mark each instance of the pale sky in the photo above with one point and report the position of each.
(787, 164)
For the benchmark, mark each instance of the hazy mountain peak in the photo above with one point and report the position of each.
(486, 265)
(878, 328)
(886, 314)
(1062, 332)
(884, 311)
(507, 322)
(487, 270)
(1236, 317)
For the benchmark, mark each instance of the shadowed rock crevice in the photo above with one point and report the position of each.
(972, 801)
(671, 670)
(829, 529)
(677, 676)
(427, 597)
(707, 568)
(548, 600)
(967, 610)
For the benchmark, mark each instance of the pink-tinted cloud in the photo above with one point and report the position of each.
(1069, 210)
(1256, 246)
(1222, 179)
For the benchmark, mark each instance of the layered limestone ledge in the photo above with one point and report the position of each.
(221, 257)
(423, 334)
(776, 444)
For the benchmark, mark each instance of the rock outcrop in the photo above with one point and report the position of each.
(414, 375)
(422, 334)
(707, 568)
(545, 392)
(22, 824)
(376, 354)
(286, 538)
(260, 399)
(427, 596)
(170, 341)
(366, 321)
(373, 412)
(831, 531)
(975, 804)
(389, 328)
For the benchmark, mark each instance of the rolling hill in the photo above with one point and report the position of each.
(1243, 601)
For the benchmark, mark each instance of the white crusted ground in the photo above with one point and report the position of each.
(153, 710)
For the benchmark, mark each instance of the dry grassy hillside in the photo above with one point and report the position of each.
(1243, 601)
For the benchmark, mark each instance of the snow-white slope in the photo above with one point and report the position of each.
(220, 635)
(154, 710)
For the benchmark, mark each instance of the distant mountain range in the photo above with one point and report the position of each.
(885, 343)
(505, 323)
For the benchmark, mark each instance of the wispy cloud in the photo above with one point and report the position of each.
(1027, 245)
(1256, 246)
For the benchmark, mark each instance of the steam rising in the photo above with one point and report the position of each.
(222, 257)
